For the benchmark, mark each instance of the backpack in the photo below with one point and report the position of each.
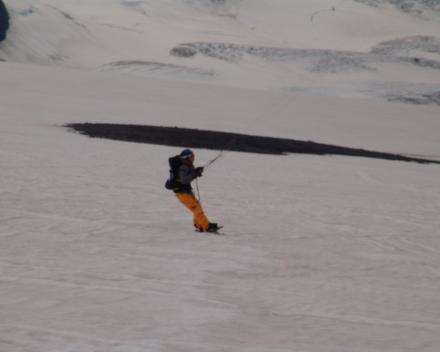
(172, 183)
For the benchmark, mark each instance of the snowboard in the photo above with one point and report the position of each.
(212, 232)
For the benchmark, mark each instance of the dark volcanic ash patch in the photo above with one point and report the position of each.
(193, 138)
(4, 21)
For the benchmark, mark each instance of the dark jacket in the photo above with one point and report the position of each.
(186, 174)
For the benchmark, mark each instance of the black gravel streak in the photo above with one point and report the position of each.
(202, 139)
(4, 21)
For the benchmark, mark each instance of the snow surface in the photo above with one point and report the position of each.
(321, 253)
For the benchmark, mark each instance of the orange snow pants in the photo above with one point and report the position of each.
(193, 204)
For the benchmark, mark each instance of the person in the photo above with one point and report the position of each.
(185, 175)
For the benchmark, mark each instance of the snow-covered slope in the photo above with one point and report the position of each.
(321, 254)
(238, 43)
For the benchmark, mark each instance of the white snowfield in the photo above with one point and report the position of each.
(320, 253)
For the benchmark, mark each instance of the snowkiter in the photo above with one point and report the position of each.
(186, 173)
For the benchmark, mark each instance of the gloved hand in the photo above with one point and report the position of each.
(199, 171)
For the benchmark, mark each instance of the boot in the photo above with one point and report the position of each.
(199, 229)
(212, 227)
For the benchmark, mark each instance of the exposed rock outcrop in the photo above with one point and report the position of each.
(193, 138)
(4, 21)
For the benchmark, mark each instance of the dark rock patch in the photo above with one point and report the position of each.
(432, 98)
(4, 21)
(193, 138)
